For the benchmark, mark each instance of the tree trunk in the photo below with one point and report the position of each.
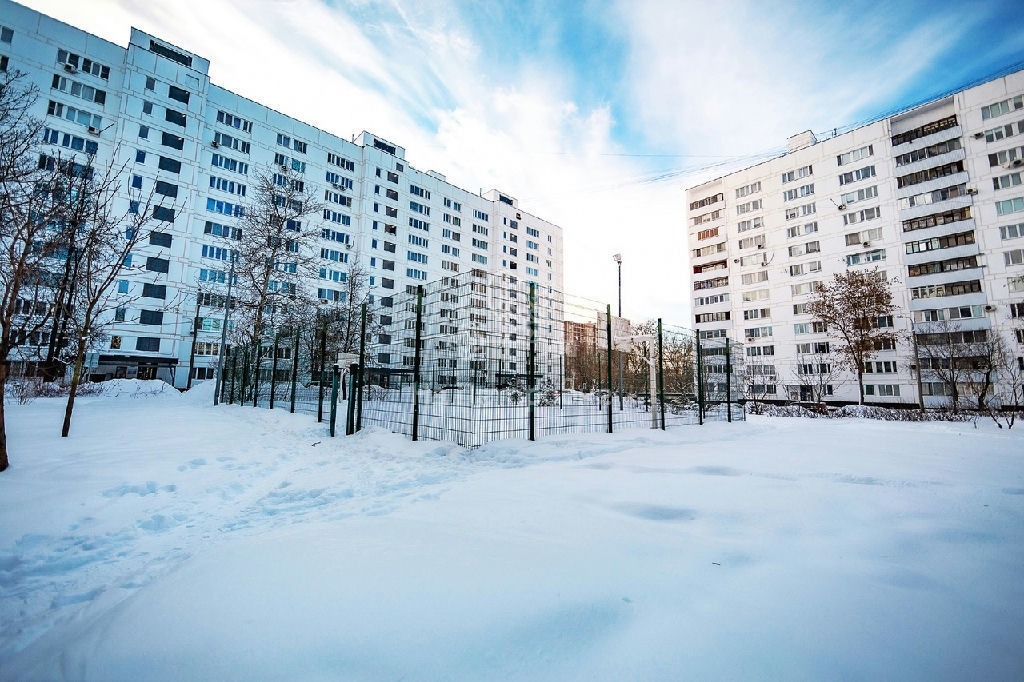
(75, 378)
(4, 462)
(860, 381)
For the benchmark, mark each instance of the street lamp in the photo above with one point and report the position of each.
(618, 261)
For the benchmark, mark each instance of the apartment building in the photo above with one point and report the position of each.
(151, 106)
(932, 196)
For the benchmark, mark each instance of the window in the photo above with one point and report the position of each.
(122, 286)
(1003, 107)
(178, 94)
(167, 189)
(160, 239)
(168, 164)
(149, 344)
(78, 89)
(157, 264)
(154, 317)
(233, 121)
(925, 130)
(882, 390)
(140, 156)
(928, 152)
(175, 117)
(1014, 257)
(746, 190)
(147, 108)
(797, 174)
(930, 174)
(1008, 206)
(1011, 231)
(6, 35)
(749, 206)
(143, 132)
(150, 83)
(855, 155)
(163, 213)
(154, 291)
(172, 141)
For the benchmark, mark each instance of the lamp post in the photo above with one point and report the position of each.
(618, 261)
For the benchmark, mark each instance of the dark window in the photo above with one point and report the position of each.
(163, 213)
(168, 140)
(151, 317)
(144, 132)
(140, 156)
(160, 239)
(173, 55)
(175, 117)
(148, 343)
(157, 264)
(154, 291)
(387, 283)
(166, 188)
(171, 165)
(150, 83)
(384, 358)
(178, 94)
(387, 302)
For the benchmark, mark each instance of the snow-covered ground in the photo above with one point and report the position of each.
(167, 539)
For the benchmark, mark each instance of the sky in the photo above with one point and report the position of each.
(595, 115)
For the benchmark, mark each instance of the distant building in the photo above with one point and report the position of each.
(933, 196)
(198, 144)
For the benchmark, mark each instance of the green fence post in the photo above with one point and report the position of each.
(728, 381)
(416, 364)
(256, 377)
(273, 370)
(220, 378)
(323, 368)
(350, 412)
(335, 376)
(295, 368)
(234, 371)
(362, 368)
(661, 375)
(700, 384)
(531, 359)
(608, 363)
(245, 378)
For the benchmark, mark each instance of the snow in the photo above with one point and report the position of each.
(167, 539)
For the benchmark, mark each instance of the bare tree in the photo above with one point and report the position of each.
(853, 308)
(103, 244)
(953, 356)
(277, 251)
(30, 227)
(1007, 400)
(815, 373)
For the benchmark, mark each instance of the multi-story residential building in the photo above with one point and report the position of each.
(152, 107)
(933, 196)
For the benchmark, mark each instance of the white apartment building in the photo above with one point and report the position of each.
(152, 106)
(933, 196)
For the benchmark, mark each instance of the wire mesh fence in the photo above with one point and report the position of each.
(483, 357)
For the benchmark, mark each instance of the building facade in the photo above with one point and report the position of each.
(932, 196)
(151, 106)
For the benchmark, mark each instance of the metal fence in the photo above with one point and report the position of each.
(483, 357)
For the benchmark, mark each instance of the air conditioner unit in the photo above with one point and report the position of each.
(215, 144)
(972, 190)
(760, 246)
(989, 308)
(978, 136)
(866, 244)
(336, 186)
(735, 260)
(70, 69)
(1016, 162)
(93, 130)
(284, 168)
(841, 207)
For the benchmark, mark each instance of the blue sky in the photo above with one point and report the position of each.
(591, 113)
